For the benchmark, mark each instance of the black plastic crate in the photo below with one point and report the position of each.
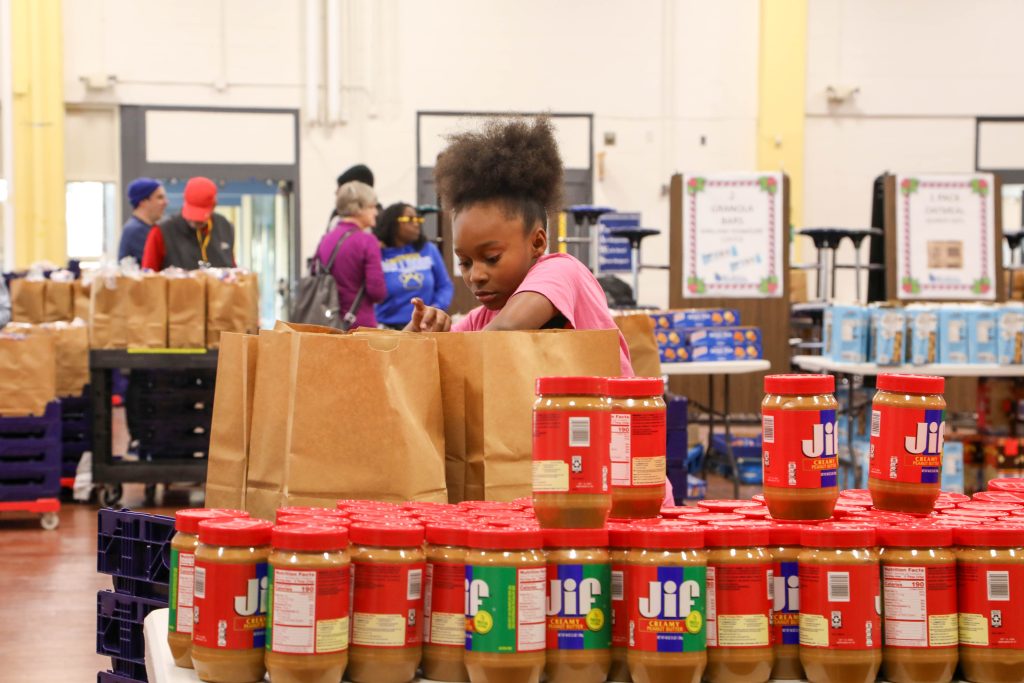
(111, 677)
(137, 547)
(157, 380)
(141, 589)
(119, 620)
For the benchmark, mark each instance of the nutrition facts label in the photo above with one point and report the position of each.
(910, 621)
(295, 626)
(532, 613)
(186, 586)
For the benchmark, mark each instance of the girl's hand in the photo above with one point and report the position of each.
(428, 319)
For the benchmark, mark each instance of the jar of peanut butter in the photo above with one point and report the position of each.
(307, 616)
(637, 448)
(570, 452)
(620, 539)
(785, 549)
(387, 601)
(990, 581)
(444, 601)
(230, 624)
(840, 604)
(667, 572)
(907, 425)
(739, 605)
(800, 446)
(578, 605)
(918, 604)
(505, 605)
(183, 572)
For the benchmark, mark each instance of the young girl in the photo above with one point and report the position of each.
(501, 184)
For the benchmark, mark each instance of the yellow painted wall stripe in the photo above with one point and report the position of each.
(783, 79)
(38, 121)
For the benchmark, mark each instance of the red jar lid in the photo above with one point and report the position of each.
(304, 510)
(506, 538)
(309, 538)
(187, 521)
(575, 538)
(626, 387)
(488, 505)
(949, 497)
(780, 535)
(911, 384)
(448, 532)
(746, 536)
(754, 512)
(799, 384)
(990, 536)
(682, 511)
(715, 517)
(1007, 484)
(572, 386)
(855, 493)
(620, 535)
(998, 497)
(976, 514)
(426, 506)
(837, 536)
(914, 536)
(727, 505)
(986, 505)
(941, 505)
(667, 537)
(383, 535)
(240, 531)
(746, 524)
(758, 498)
(314, 520)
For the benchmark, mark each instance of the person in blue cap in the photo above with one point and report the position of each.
(148, 200)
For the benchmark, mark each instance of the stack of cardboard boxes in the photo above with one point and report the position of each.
(702, 335)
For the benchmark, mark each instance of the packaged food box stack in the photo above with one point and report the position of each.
(703, 335)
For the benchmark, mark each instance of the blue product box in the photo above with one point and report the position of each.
(696, 317)
(888, 336)
(953, 467)
(736, 335)
(846, 333)
(674, 354)
(922, 334)
(953, 334)
(1011, 334)
(725, 352)
(982, 334)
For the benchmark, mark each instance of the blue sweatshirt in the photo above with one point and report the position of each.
(410, 273)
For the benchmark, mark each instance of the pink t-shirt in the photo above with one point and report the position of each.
(572, 289)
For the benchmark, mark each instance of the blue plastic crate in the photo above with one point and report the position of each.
(129, 669)
(111, 677)
(29, 450)
(30, 482)
(119, 620)
(43, 428)
(136, 547)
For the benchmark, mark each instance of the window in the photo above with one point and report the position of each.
(91, 213)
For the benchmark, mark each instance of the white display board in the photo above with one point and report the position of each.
(733, 235)
(945, 237)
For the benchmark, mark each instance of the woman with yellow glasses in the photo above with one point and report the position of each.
(413, 267)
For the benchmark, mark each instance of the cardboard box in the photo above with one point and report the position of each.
(1011, 334)
(954, 346)
(846, 333)
(696, 317)
(706, 353)
(736, 335)
(952, 478)
(982, 334)
(888, 336)
(922, 334)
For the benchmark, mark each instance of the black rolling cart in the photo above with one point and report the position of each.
(171, 417)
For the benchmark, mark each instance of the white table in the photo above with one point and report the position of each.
(821, 364)
(712, 369)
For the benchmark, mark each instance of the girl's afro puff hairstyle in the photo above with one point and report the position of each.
(512, 160)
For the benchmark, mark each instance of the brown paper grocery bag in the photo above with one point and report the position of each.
(186, 310)
(146, 311)
(108, 308)
(28, 300)
(232, 303)
(362, 419)
(28, 374)
(638, 329)
(58, 301)
(488, 389)
(72, 348)
(81, 289)
(232, 415)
